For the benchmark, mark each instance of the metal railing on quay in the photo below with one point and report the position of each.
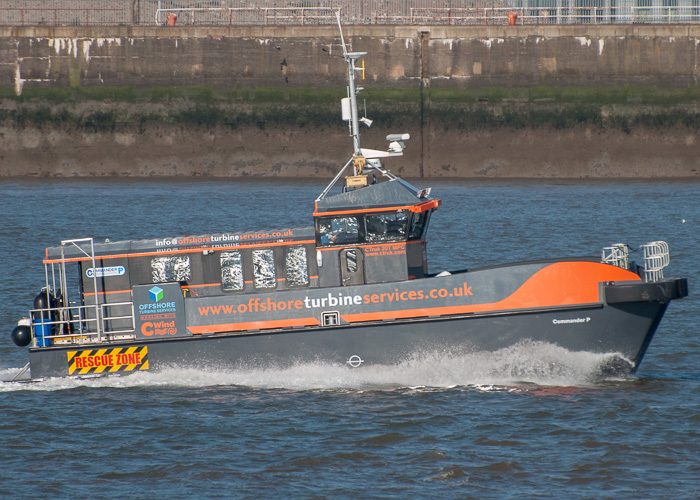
(22, 16)
(556, 15)
(246, 16)
(353, 12)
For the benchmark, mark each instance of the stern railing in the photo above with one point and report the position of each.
(66, 322)
(656, 257)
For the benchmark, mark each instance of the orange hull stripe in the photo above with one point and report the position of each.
(253, 325)
(560, 284)
(201, 286)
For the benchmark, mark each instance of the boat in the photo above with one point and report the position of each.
(352, 289)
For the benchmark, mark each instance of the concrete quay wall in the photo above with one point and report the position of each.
(399, 56)
(105, 136)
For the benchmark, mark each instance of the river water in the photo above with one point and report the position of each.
(534, 421)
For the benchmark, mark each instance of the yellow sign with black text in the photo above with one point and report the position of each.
(117, 359)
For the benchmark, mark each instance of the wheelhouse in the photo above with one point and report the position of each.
(374, 234)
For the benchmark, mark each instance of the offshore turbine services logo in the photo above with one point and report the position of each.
(156, 294)
(155, 313)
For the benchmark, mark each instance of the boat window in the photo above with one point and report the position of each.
(387, 227)
(296, 267)
(338, 230)
(264, 269)
(417, 226)
(172, 268)
(231, 271)
(427, 223)
(351, 261)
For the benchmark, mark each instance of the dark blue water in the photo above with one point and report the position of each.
(533, 421)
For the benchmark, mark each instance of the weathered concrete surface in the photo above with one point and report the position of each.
(171, 150)
(223, 57)
(405, 56)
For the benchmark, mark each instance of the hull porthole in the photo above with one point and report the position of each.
(355, 361)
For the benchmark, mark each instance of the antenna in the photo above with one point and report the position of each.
(351, 60)
(361, 158)
(340, 28)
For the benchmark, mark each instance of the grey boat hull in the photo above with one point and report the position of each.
(623, 329)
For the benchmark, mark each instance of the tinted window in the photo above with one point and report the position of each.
(231, 271)
(338, 230)
(351, 261)
(264, 269)
(417, 226)
(296, 267)
(386, 227)
(171, 268)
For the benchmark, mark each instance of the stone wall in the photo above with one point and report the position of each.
(406, 58)
(224, 57)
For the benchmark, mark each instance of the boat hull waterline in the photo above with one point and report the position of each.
(576, 305)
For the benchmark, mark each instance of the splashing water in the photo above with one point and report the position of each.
(525, 363)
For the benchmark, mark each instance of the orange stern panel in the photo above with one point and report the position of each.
(559, 284)
(565, 283)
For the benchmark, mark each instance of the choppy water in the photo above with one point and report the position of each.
(533, 421)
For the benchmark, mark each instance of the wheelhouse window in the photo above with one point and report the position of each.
(170, 268)
(339, 230)
(419, 225)
(386, 227)
(231, 271)
(297, 269)
(264, 269)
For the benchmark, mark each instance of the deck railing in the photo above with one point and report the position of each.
(82, 324)
(354, 12)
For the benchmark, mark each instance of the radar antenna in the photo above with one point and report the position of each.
(361, 158)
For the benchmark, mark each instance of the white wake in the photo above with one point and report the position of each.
(523, 365)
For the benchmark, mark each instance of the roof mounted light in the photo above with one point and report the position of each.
(398, 137)
(366, 121)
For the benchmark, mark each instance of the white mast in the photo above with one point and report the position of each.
(351, 59)
(361, 158)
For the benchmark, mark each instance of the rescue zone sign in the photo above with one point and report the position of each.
(119, 359)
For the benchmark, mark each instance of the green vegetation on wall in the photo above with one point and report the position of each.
(453, 109)
(623, 95)
(197, 94)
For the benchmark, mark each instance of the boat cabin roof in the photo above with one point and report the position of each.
(216, 241)
(396, 194)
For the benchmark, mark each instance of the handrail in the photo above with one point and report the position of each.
(556, 15)
(92, 15)
(106, 318)
(355, 12)
(458, 15)
(78, 323)
(267, 13)
(64, 285)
